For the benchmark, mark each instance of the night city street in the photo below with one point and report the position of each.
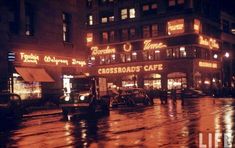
(161, 125)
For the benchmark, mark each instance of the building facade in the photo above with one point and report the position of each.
(158, 44)
(41, 46)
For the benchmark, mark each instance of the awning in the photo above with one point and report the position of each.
(34, 74)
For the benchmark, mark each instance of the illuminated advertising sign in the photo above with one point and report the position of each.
(130, 69)
(127, 47)
(148, 45)
(108, 50)
(175, 26)
(208, 42)
(207, 64)
(32, 58)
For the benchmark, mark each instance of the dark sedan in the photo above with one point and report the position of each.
(131, 97)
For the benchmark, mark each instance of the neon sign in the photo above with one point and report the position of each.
(176, 26)
(148, 45)
(29, 58)
(207, 64)
(127, 47)
(49, 59)
(209, 42)
(76, 62)
(130, 69)
(107, 50)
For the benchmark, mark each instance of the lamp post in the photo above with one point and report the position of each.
(226, 69)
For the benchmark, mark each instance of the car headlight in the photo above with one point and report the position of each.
(66, 98)
(82, 98)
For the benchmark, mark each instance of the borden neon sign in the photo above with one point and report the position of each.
(207, 64)
(148, 45)
(209, 42)
(130, 69)
(107, 50)
(29, 58)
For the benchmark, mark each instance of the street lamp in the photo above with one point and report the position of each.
(226, 55)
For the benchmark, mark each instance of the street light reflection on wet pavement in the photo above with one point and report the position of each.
(168, 125)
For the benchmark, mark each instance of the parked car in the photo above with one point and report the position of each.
(192, 93)
(10, 106)
(131, 97)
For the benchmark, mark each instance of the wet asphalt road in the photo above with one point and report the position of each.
(162, 125)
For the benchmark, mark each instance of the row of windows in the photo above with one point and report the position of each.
(147, 31)
(152, 55)
(130, 13)
(29, 27)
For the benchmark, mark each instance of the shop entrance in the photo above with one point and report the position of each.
(176, 80)
(130, 81)
(152, 81)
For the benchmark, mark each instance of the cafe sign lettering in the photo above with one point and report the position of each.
(209, 42)
(107, 50)
(207, 64)
(148, 45)
(130, 69)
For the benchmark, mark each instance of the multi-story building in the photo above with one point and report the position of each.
(155, 43)
(41, 42)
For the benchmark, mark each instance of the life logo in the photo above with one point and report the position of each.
(216, 140)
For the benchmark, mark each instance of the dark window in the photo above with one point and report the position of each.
(124, 35)
(103, 2)
(132, 33)
(175, 3)
(105, 37)
(154, 30)
(29, 19)
(149, 9)
(225, 26)
(67, 27)
(146, 31)
(14, 18)
(111, 36)
(89, 3)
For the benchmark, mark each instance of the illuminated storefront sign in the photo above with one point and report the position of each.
(148, 45)
(76, 62)
(175, 26)
(209, 42)
(57, 61)
(127, 47)
(32, 58)
(208, 64)
(29, 58)
(108, 50)
(130, 69)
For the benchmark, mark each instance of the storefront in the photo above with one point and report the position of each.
(38, 75)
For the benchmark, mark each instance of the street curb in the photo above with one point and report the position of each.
(42, 114)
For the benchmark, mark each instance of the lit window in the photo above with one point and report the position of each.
(124, 14)
(104, 19)
(175, 26)
(154, 6)
(102, 60)
(157, 54)
(90, 20)
(154, 30)
(66, 27)
(89, 38)
(183, 52)
(132, 13)
(145, 7)
(123, 58)
(146, 31)
(113, 58)
(128, 57)
(111, 19)
(171, 3)
(180, 2)
(196, 25)
(134, 56)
